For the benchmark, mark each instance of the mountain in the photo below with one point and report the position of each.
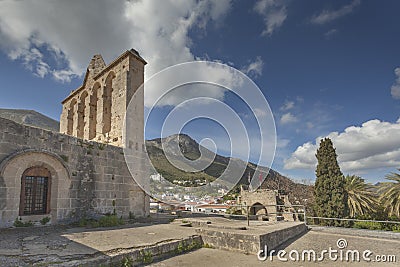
(30, 118)
(191, 150)
(298, 193)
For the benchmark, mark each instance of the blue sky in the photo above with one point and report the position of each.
(327, 68)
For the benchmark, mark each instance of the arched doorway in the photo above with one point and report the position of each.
(258, 209)
(35, 191)
(25, 170)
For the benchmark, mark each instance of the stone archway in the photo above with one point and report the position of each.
(258, 209)
(11, 172)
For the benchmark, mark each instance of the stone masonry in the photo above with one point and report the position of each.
(80, 172)
(96, 110)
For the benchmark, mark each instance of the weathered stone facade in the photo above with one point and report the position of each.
(266, 203)
(64, 176)
(96, 110)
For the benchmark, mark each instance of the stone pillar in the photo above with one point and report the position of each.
(64, 120)
(99, 125)
(75, 118)
(87, 117)
(92, 116)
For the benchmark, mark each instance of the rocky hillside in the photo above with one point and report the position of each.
(30, 118)
(191, 150)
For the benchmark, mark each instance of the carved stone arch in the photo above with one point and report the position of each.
(12, 170)
(107, 102)
(94, 97)
(82, 108)
(70, 116)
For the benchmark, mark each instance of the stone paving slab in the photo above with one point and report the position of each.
(317, 239)
(22, 247)
(65, 246)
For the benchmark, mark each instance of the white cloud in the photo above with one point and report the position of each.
(254, 68)
(274, 14)
(73, 33)
(282, 143)
(330, 15)
(287, 105)
(288, 118)
(395, 89)
(191, 80)
(329, 34)
(260, 112)
(374, 144)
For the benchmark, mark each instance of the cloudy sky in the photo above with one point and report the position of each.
(327, 68)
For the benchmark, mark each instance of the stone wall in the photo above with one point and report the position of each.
(250, 241)
(87, 178)
(258, 198)
(96, 110)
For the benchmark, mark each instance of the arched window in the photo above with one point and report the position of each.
(70, 117)
(107, 103)
(81, 114)
(93, 111)
(35, 191)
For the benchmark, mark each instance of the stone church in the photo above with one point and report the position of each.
(80, 171)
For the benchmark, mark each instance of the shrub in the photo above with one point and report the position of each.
(146, 257)
(110, 220)
(126, 262)
(20, 223)
(368, 225)
(45, 220)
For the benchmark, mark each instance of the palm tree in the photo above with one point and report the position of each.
(361, 200)
(390, 194)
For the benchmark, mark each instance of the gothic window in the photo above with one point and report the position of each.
(35, 191)
(81, 115)
(93, 111)
(70, 117)
(107, 103)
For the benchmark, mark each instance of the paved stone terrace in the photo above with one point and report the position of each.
(318, 238)
(66, 246)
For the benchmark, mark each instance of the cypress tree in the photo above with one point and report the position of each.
(329, 191)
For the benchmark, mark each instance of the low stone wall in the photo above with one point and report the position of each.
(230, 240)
(250, 241)
(87, 178)
(138, 256)
(276, 238)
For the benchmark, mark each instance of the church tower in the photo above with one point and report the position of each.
(96, 110)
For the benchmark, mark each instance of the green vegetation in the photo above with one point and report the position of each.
(105, 221)
(64, 158)
(170, 172)
(330, 194)
(45, 220)
(190, 149)
(101, 146)
(235, 211)
(337, 196)
(131, 216)
(185, 247)
(384, 226)
(127, 262)
(20, 223)
(145, 257)
(390, 194)
(361, 199)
